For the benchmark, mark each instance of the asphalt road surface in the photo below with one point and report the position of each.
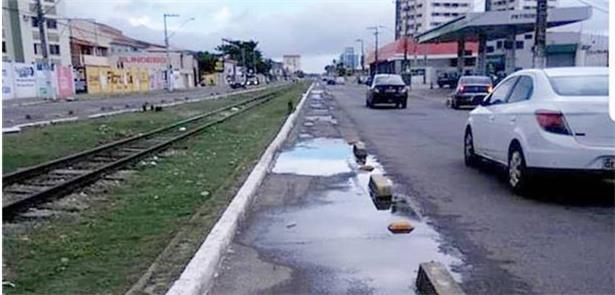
(558, 240)
(314, 229)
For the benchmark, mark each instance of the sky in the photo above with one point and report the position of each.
(317, 29)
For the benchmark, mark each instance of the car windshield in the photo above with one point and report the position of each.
(475, 80)
(389, 80)
(581, 85)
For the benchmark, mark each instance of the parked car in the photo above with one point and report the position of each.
(449, 79)
(552, 119)
(471, 90)
(331, 81)
(340, 80)
(387, 88)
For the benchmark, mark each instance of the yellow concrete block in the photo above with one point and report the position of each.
(380, 186)
(400, 227)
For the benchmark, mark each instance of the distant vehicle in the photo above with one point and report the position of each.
(471, 90)
(340, 80)
(449, 79)
(237, 84)
(387, 88)
(362, 79)
(369, 80)
(330, 81)
(545, 120)
(252, 81)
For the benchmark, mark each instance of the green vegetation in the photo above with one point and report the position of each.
(110, 245)
(39, 145)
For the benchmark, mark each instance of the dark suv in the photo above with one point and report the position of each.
(471, 90)
(389, 89)
(449, 79)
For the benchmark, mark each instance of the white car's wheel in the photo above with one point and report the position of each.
(518, 178)
(469, 156)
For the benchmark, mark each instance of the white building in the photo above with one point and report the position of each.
(292, 62)
(423, 15)
(21, 41)
(563, 49)
(500, 5)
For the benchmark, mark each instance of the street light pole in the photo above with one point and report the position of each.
(169, 70)
(243, 56)
(362, 55)
(376, 33)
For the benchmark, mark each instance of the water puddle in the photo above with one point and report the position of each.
(339, 239)
(316, 157)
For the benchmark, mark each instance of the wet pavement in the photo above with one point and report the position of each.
(314, 228)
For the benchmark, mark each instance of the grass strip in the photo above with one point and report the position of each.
(111, 244)
(38, 145)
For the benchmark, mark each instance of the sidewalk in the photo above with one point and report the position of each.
(39, 111)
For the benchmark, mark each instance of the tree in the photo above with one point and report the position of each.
(253, 56)
(207, 62)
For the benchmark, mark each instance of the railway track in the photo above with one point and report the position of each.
(29, 187)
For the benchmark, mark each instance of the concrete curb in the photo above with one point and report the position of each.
(18, 127)
(434, 279)
(198, 276)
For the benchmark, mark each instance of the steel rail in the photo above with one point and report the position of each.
(11, 209)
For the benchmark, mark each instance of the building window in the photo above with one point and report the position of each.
(519, 44)
(37, 48)
(490, 49)
(3, 46)
(52, 24)
(34, 22)
(54, 49)
(498, 44)
(527, 36)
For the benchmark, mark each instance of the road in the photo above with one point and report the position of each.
(558, 240)
(23, 111)
(307, 234)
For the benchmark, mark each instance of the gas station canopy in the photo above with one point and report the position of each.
(500, 24)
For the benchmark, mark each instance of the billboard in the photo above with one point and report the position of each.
(65, 81)
(8, 90)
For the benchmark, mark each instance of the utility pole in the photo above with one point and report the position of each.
(540, 34)
(169, 69)
(41, 21)
(362, 55)
(414, 27)
(376, 33)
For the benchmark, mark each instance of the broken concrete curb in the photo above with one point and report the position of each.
(434, 279)
(199, 274)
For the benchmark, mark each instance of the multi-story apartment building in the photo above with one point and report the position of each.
(500, 5)
(349, 59)
(415, 16)
(292, 63)
(21, 41)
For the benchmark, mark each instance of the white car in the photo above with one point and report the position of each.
(544, 119)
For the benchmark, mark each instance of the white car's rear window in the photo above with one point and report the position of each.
(581, 85)
(389, 80)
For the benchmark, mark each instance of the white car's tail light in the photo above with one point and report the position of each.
(552, 121)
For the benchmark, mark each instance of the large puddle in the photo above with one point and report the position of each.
(340, 237)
